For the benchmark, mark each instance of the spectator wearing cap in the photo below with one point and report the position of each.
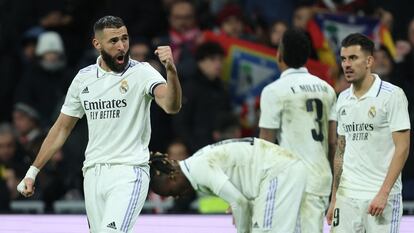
(26, 122)
(231, 23)
(204, 96)
(44, 84)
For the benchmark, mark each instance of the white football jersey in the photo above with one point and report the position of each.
(367, 124)
(242, 161)
(117, 108)
(300, 105)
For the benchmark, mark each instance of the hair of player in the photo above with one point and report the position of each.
(161, 170)
(108, 21)
(295, 48)
(366, 44)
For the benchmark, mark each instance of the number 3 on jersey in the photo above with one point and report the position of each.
(313, 105)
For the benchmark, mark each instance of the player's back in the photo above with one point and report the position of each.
(244, 161)
(305, 104)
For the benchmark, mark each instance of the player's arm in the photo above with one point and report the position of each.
(337, 168)
(168, 96)
(239, 205)
(53, 142)
(402, 146)
(268, 134)
(332, 139)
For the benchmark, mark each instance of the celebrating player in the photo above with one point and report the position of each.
(115, 95)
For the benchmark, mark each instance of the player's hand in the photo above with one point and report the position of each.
(164, 53)
(329, 214)
(26, 187)
(377, 205)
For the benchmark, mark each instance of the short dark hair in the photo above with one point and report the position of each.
(295, 48)
(108, 21)
(208, 49)
(366, 44)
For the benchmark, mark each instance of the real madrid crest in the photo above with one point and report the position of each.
(372, 112)
(124, 86)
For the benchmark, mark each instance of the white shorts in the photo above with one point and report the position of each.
(312, 213)
(351, 216)
(276, 209)
(114, 196)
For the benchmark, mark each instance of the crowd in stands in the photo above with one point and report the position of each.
(43, 44)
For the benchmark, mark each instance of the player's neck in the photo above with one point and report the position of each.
(362, 87)
(103, 65)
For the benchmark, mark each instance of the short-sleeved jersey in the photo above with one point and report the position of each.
(244, 162)
(300, 106)
(117, 109)
(367, 124)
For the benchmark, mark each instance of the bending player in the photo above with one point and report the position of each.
(262, 182)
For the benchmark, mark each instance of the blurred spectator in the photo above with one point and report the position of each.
(178, 150)
(341, 84)
(276, 31)
(231, 23)
(183, 36)
(44, 84)
(13, 161)
(139, 49)
(50, 183)
(226, 125)
(204, 96)
(4, 195)
(301, 16)
(26, 121)
(405, 76)
(183, 32)
(384, 64)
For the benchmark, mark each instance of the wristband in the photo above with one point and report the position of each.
(32, 172)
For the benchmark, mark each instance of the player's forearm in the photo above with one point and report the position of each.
(173, 93)
(338, 164)
(332, 139)
(52, 143)
(402, 146)
(242, 216)
(239, 205)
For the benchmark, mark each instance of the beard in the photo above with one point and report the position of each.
(112, 63)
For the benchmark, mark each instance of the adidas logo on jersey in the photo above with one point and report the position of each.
(255, 225)
(112, 225)
(85, 91)
(343, 113)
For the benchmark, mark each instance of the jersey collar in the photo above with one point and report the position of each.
(186, 170)
(301, 70)
(373, 90)
(101, 72)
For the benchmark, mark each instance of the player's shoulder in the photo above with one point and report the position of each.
(274, 87)
(388, 89)
(135, 65)
(87, 72)
(345, 94)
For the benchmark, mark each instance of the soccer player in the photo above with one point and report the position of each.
(298, 110)
(373, 144)
(115, 95)
(261, 181)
